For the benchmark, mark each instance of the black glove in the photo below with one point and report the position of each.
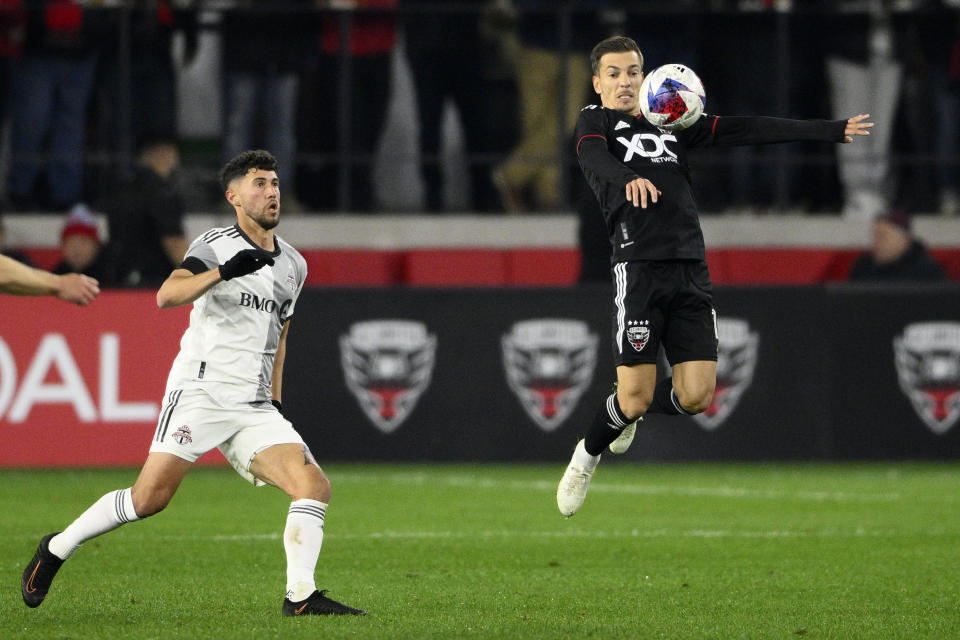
(244, 262)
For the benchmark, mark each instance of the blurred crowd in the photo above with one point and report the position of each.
(90, 86)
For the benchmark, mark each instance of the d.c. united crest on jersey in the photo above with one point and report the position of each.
(549, 363)
(638, 333)
(387, 365)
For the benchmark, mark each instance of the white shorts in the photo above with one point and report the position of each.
(191, 424)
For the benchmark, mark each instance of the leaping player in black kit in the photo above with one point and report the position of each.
(663, 294)
(224, 390)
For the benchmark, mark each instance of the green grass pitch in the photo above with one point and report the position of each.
(480, 551)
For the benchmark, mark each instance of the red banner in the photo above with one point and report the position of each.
(82, 386)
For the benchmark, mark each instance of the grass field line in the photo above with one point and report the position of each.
(639, 489)
(389, 534)
(521, 534)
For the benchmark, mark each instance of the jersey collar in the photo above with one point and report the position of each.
(276, 243)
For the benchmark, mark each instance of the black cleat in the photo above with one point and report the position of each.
(318, 604)
(39, 573)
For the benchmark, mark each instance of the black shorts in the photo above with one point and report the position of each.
(663, 302)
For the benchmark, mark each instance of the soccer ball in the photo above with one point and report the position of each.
(672, 97)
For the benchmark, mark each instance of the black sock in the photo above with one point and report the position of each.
(606, 427)
(665, 400)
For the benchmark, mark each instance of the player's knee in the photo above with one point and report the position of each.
(634, 402)
(322, 489)
(695, 400)
(148, 503)
(312, 484)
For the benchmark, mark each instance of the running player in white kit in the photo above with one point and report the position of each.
(224, 390)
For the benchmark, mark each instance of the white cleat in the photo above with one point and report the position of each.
(572, 490)
(623, 441)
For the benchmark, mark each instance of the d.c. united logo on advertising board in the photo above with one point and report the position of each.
(927, 358)
(549, 363)
(387, 365)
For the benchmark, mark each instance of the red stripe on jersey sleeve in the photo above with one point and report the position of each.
(589, 135)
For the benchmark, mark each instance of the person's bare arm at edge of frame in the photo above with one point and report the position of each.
(19, 279)
(183, 287)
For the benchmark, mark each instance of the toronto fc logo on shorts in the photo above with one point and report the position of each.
(638, 333)
(387, 365)
(549, 363)
(927, 357)
(736, 361)
(182, 435)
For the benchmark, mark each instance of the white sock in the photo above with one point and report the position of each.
(106, 514)
(302, 539)
(583, 459)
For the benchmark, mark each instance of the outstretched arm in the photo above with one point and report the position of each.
(747, 130)
(18, 279)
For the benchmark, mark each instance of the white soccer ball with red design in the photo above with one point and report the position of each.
(672, 97)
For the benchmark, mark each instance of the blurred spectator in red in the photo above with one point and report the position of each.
(895, 255)
(321, 127)
(80, 245)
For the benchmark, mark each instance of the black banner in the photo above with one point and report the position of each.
(517, 375)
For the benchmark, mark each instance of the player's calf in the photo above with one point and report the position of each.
(608, 425)
(670, 401)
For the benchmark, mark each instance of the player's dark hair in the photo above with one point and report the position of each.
(243, 162)
(616, 44)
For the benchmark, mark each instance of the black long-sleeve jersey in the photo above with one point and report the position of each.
(614, 148)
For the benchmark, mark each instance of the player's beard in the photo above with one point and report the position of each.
(266, 223)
